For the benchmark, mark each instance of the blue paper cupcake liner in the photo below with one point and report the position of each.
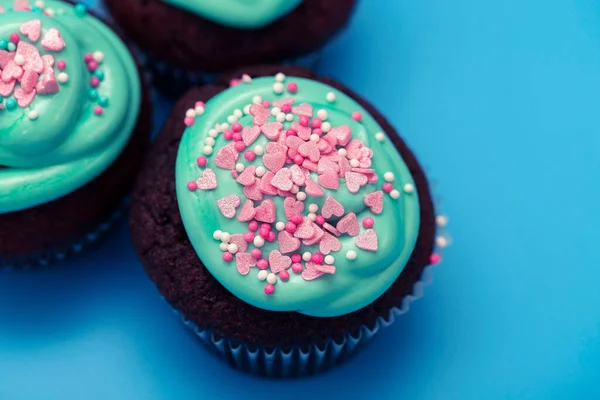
(297, 361)
(70, 251)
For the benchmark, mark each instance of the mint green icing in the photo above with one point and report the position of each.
(67, 146)
(243, 14)
(356, 283)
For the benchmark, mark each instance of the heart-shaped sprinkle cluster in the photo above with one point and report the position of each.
(308, 158)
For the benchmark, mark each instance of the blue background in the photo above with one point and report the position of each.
(500, 100)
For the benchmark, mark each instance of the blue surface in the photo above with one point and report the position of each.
(500, 100)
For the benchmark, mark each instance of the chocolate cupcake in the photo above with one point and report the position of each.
(284, 219)
(74, 125)
(187, 40)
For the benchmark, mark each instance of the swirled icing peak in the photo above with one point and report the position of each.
(243, 14)
(69, 99)
(294, 198)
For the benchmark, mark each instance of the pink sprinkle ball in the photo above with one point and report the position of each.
(249, 155)
(92, 66)
(262, 264)
(88, 57)
(356, 115)
(297, 267)
(290, 132)
(292, 87)
(296, 258)
(192, 186)
(435, 259)
(14, 38)
(95, 82)
(199, 104)
(265, 226)
(298, 159)
(266, 104)
(202, 161)
(264, 233)
(188, 121)
(234, 82)
(317, 131)
(316, 123)
(236, 127)
(248, 237)
(317, 258)
(98, 110)
(320, 219)
(269, 289)
(368, 222)
(286, 108)
(304, 120)
(284, 275)
(387, 187)
(253, 226)
(228, 135)
(239, 146)
(256, 254)
(296, 219)
(61, 65)
(227, 257)
(271, 237)
(237, 137)
(290, 227)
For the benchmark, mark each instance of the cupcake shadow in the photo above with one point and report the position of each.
(43, 304)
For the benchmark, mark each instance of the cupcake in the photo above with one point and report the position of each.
(187, 40)
(283, 219)
(74, 124)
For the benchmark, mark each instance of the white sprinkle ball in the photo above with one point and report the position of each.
(351, 255)
(354, 163)
(295, 189)
(19, 59)
(278, 88)
(225, 237)
(232, 248)
(232, 119)
(330, 97)
(388, 176)
(207, 150)
(190, 113)
(313, 208)
(272, 278)
(275, 111)
(257, 99)
(307, 256)
(259, 150)
(280, 77)
(98, 56)
(238, 113)
(247, 110)
(329, 259)
(441, 241)
(314, 137)
(280, 117)
(322, 114)
(246, 78)
(409, 188)
(262, 274)
(312, 216)
(40, 3)
(325, 127)
(239, 167)
(209, 141)
(49, 12)
(258, 241)
(289, 117)
(379, 136)
(224, 126)
(33, 115)
(199, 110)
(217, 234)
(342, 152)
(213, 133)
(394, 194)
(301, 196)
(224, 246)
(63, 77)
(260, 171)
(280, 226)
(441, 220)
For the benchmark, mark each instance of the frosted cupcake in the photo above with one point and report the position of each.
(283, 218)
(71, 138)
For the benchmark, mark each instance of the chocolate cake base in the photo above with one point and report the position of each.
(46, 232)
(170, 260)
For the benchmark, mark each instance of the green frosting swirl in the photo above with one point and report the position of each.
(243, 14)
(356, 283)
(68, 145)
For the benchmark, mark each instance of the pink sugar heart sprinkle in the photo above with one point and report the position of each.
(329, 180)
(247, 177)
(208, 181)
(247, 211)
(5, 57)
(228, 205)
(332, 207)
(325, 268)
(342, 134)
(244, 262)
(312, 189)
(374, 201)
(250, 134)
(48, 85)
(283, 179)
(32, 29)
(303, 109)
(287, 242)
(305, 230)
(266, 212)
(226, 158)
(368, 241)
(53, 41)
(354, 181)
(274, 162)
(349, 224)
(329, 243)
(331, 229)
(298, 176)
(292, 207)
(272, 130)
(260, 114)
(311, 273)
(316, 238)
(278, 262)
(11, 72)
(240, 242)
(265, 184)
(24, 99)
(253, 192)
(310, 150)
(7, 88)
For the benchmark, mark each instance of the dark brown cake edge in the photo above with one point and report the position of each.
(34, 235)
(171, 262)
